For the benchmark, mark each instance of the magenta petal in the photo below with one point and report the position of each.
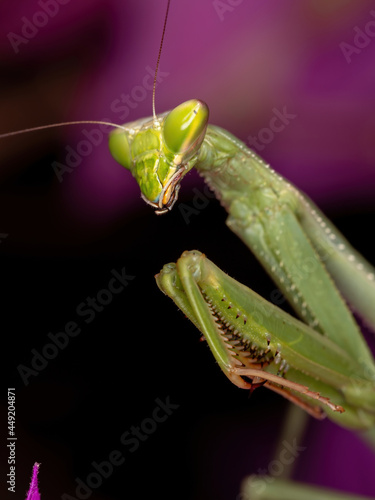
(33, 493)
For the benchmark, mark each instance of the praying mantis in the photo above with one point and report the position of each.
(302, 251)
(351, 418)
(248, 337)
(291, 238)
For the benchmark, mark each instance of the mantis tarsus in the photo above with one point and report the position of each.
(361, 377)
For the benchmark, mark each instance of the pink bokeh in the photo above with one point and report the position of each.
(244, 62)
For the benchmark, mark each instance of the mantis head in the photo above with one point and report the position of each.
(159, 152)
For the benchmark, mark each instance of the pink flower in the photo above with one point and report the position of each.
(33, 493)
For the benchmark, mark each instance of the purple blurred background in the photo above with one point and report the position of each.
(245, 62)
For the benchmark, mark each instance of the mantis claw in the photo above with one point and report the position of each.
(255, 343)
(270, 380)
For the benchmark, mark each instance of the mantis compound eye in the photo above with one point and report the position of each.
(184, 128)
(119, 148)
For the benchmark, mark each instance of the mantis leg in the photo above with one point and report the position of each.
(353, 275)
(295, 243)
(253, 339)
(314, 411)
(283, 383)
(280, 242)
(271, 488)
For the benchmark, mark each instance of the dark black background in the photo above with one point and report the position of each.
(138, 349)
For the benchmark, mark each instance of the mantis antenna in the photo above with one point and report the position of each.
(110, 124)
(53, 125)
(157, 63)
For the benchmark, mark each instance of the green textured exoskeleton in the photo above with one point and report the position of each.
(252, 338)
(320, 362)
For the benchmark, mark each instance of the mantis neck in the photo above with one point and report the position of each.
(235, 172)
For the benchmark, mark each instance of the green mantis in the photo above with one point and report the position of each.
(330, 357)
(326, 365)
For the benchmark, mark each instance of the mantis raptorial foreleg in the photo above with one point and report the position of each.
(240, 327)
(293, 240)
